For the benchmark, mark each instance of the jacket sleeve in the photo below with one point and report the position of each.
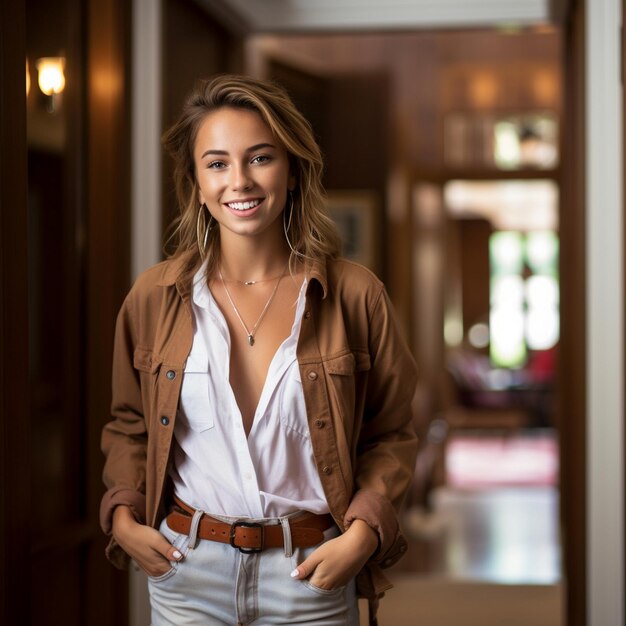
(124, 438)
(387, 444)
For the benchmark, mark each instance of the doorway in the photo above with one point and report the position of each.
(441, 137)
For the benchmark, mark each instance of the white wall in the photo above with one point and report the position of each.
(146, 139)
(145, 191)
(605, 343)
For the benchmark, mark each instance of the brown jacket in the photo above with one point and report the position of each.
(358, 380)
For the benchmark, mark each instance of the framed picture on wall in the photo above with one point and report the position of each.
(356, 214)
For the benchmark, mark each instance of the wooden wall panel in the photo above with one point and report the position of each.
(475, 270)
(107, 274)
(60, 535)
(422, 67)
(15, 538)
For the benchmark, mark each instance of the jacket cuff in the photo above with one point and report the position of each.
(116, 496)
(378, 513)
(116, 555)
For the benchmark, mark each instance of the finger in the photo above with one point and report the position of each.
(166, 549)
(173, 554)
(306, 568)
(156, 563)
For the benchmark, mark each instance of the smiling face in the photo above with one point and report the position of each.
(242, 172)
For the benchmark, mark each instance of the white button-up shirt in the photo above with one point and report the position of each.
(218, 469)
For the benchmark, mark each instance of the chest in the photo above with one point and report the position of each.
(258, 320)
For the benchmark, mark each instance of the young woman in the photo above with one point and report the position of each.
(261, 442)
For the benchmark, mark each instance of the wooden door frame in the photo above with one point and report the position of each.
(592, 369)
(572, 356)
(623, 54)
(14, 425)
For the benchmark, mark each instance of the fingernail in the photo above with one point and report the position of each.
(177, 555)
(295, 573)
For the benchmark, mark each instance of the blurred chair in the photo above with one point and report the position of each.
(432, 429)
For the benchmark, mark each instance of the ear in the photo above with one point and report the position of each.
(201, 198)
(291, 182)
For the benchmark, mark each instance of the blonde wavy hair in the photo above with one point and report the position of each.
(312, 234)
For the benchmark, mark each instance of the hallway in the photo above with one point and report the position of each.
(490, 543)
(477, 555)
(504, 535)
(440, 602)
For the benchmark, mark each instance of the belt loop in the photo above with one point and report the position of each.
(286, 536)
(193, 530)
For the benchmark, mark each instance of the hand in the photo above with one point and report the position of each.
(339, 560)
(145, 545)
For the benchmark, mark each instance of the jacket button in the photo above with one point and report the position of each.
(165, 420)
(312, 375)
(320, 423)
(327, 470)
(171, 374)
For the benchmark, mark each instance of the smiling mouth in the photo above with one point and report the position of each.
(243, 206)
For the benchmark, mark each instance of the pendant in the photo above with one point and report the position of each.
(249, 282)
(250, 340)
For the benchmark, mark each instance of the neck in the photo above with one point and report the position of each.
(248, 258)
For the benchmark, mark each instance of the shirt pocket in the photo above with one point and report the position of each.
(292, 407)
(195, 401)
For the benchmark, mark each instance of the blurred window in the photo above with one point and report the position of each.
(524, 295)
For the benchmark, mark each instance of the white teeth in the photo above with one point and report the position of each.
(243, 206)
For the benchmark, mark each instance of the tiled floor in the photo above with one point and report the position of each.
(496, 519)
(437, 602)
(504, 535)
(487, 555)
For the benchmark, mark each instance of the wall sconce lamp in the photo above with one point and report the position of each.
(51, 78)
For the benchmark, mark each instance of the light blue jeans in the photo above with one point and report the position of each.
(217, 585)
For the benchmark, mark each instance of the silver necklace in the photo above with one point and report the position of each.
(252, 332)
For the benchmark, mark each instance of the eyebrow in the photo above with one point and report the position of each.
(257, 146)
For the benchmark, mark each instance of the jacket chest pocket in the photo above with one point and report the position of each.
(195, 395)
(342, 374)
(148, 365)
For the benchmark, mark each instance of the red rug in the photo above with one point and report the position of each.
(511, 460)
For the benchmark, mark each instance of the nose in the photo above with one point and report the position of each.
(240, 177)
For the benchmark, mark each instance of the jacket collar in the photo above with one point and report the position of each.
(317, 270)
(173, 272)
(172, 275)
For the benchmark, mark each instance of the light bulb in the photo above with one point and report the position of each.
(51, 77)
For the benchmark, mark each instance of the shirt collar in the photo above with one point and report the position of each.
(200, 290)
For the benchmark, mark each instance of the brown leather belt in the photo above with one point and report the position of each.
(306, 530)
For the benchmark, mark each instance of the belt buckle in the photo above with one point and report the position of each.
(233, 528)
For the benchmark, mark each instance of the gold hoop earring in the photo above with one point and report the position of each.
(287, 226)
(203, 238)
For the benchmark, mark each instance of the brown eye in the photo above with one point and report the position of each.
(262, 158)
